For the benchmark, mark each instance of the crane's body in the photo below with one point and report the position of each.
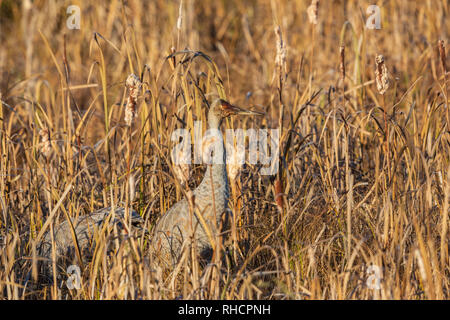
(207, 212)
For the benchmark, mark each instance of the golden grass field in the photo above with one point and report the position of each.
(363, 189)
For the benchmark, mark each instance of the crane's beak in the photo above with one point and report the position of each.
(230, 110)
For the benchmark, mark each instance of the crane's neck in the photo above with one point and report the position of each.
(215, 140)
(216, 164)
(214, 121)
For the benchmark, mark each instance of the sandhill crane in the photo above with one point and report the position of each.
(173, 228)
(209, 199)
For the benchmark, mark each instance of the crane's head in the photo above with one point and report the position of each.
(221, 109)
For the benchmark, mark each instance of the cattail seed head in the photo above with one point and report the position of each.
(313, 12)
(134, 86)
(280, 59)
(132, 187)
(183, 173)
(181, 159)
(45, 145)
(180, 16)
(381, 74)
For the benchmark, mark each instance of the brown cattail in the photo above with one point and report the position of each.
(45, 145)
(279, 194)
(443, 56)
(134, 86)
(381, 74)
(313, 12)
(342, 66)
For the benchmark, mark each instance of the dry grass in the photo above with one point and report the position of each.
(364, 178)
